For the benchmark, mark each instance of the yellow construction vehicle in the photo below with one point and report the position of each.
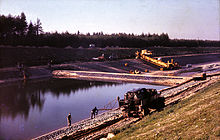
(145, 55)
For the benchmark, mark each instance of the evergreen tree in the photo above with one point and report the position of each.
(38, 27)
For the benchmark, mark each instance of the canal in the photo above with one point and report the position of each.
(30, 109)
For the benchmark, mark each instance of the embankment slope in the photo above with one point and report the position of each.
(196, 117)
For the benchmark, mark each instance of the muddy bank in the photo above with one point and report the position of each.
(10, 75)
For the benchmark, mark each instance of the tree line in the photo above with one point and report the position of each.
(15, 30)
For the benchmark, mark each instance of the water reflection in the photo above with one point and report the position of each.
(15, 100)
(18, 99)
(31, 109)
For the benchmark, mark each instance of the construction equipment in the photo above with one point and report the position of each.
(134, 72)
(138, 102)
(100, 58)
(145, 55)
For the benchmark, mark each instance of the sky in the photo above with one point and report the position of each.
(181, 19)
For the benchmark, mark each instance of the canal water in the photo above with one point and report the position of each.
(30, 109)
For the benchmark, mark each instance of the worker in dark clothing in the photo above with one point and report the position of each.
(94, 112)
(118, 98)
(69, 118)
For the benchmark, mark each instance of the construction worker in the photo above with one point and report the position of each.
(94, 112)
(69, 118)
(118, 98)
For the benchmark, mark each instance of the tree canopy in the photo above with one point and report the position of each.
(15, 30)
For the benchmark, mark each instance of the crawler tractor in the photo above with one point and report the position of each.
(138, 102)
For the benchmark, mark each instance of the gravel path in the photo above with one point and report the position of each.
(82, 125)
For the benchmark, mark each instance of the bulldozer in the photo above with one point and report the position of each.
(138, 102)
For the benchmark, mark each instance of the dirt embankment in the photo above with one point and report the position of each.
(41, 56)
(81, 59)
(30, 56)
(116, 66)
(9, 75)
(36, 59)
(119, 77)
(196, 117)
(193, 58)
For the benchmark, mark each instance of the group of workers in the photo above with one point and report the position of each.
(94, 112)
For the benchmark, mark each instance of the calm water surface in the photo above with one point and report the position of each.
(30, 109)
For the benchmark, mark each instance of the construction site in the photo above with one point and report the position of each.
(183, 78)
(109, 69)
(183, 75)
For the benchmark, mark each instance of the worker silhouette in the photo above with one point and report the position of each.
(94, 112)
(118, 99)
(69, 118)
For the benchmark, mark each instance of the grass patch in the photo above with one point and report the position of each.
(197, 117)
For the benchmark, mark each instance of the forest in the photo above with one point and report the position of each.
(16, 31)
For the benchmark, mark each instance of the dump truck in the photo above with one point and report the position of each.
(138, 102)
(145, 55)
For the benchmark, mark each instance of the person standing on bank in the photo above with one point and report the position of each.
(69, 118)
(118, 98)
(94, 112)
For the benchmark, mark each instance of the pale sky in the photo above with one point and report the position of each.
(181, 19)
